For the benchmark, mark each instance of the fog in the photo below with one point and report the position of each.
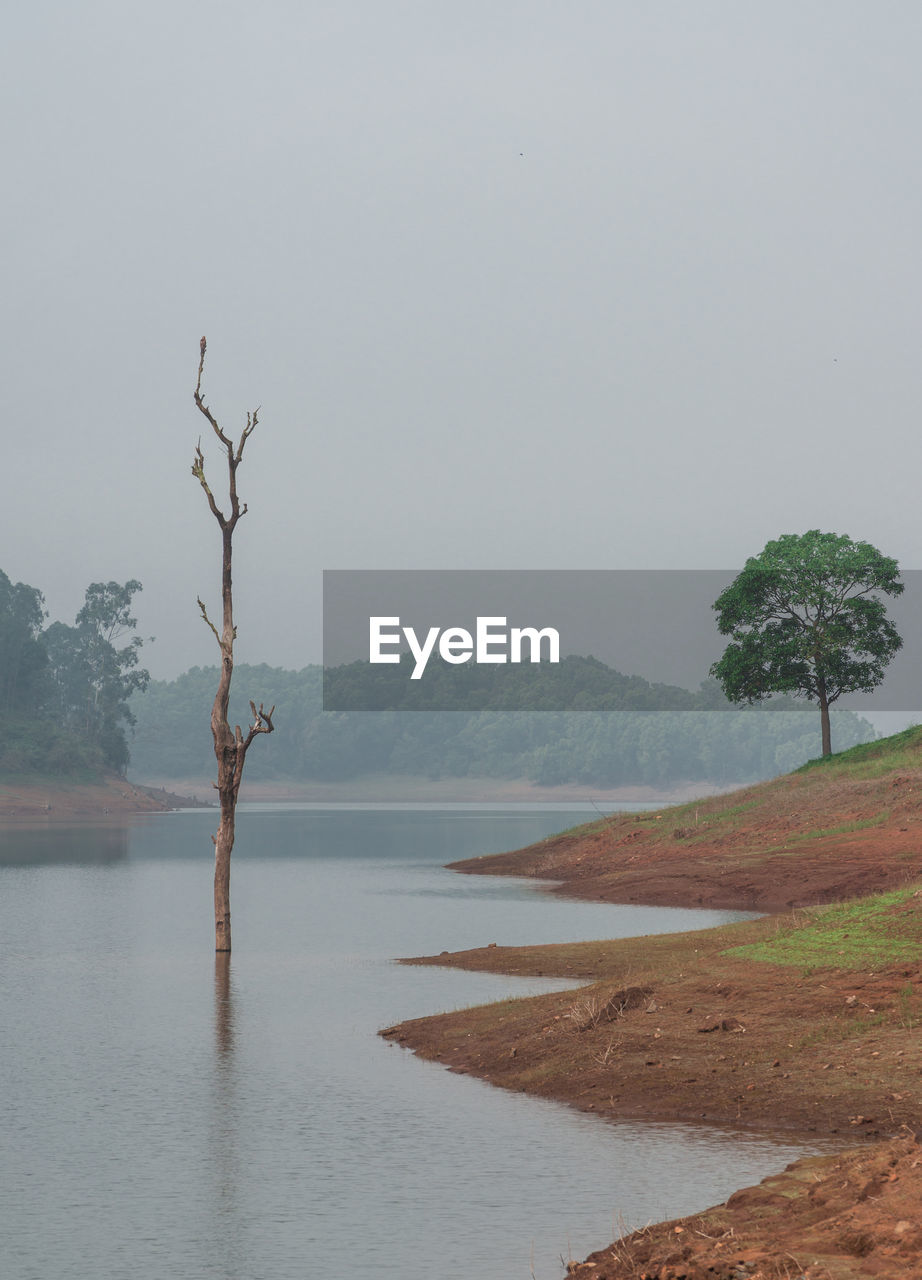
(515, 285)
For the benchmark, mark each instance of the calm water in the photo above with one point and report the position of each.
(166, 1116)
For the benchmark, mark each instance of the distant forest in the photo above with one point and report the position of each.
(632, 741)
(65, 690)
(72, 694)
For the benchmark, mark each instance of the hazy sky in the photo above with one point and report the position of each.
(517, 284)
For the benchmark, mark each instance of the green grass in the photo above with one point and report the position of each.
(844, 827)
(586, 828)
(833, 1030)
(711, 813)
(868, 760)
(818, 833)
(859, 934)
(732, 811)
(873, 758)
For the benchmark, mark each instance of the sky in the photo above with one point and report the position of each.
(516, 285)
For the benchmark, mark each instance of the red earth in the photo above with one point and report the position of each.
(684, 1027)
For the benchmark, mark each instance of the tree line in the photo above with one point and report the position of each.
(71, 695)
(575, 683)
(634, 742)
(65, 689)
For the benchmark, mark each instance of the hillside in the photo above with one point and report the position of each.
(830, 830)
(806, 1021)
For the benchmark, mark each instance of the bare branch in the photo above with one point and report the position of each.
(234, 453)
(264, 718)
(262, 722)
(203, 407)
(198, 470)
(208, 620)
(252, 419)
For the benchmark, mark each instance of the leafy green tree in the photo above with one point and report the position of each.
(23, 660)
(806, 618)
(114, 675)
(93, 674)
(69, 676)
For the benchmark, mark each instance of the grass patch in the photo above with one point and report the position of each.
(844, 827)
(819, 833)
(708, 809)
(595, 825)
(900, 750)
(732, 811)
(862, 933)
(833, 1031)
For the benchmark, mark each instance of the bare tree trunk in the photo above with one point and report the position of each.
(223, 1004)
(230, 746)
(824, 718)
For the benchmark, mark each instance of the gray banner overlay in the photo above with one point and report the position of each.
(655, 624)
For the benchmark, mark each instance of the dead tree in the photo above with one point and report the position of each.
(230, 745)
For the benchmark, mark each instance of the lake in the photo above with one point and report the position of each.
(164, 1114)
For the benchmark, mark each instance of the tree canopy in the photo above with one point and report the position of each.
(631, 742)
(23, 660)
(65, 690)
(93, 674)
(805, 618)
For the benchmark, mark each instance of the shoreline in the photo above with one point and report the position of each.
(389, 788)
(25, 798)
(41, 801)
(667, 1031)
(743, 1026)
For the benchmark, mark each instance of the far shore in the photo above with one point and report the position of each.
(30, 800)
(394, 789)
(25, 798)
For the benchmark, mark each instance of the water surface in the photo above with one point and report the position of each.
(164, 1114)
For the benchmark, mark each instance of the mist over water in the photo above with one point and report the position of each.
(167, 1112)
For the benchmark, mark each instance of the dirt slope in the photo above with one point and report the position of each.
(27, 800)
(805, 1021)
(819, 835)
